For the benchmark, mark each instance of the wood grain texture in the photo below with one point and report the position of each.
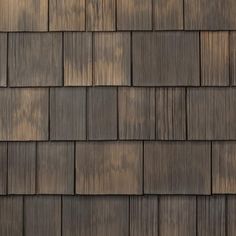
(67, 15)
(100, 15)
(168, 14)
(165, 58)
(214, 58)
(3, 168)
(102, 113)
(177, 168)
(42, 216)
(211, 113)
(210, 15)
(77, 59)
(134, 15)
(24, 15)
(231, 216)
(109, 168)
(211, 215)
(3, 59)
(24, 114)
(177, 215)
(55, 168)
(96, 216)
(232, 43)
(170, 114)
(144, 216)
(136, 113)
(21, 167)
(223, 167)
(35, 59)
(11, 212)
(112, 62)
(68, 113)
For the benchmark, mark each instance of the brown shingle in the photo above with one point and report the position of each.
(112, 63)
(35, 59)
(102, 113)
(177, 168)
(21, 167)
(77, 59)
(134, 15)
(3, 168)
(55, 168)
(3, 59)
(95, 216)
(24, 114)
(109, 168)
(165, 58)
(67, 15)
(68, 113)
(233, 57)
(231, 216)
(136, 113)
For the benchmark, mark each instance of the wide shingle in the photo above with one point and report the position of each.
(3, 59)
(165, 58)
(3, 168)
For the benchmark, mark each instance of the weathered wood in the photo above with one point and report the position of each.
(177, 215)
(3, 168)
(177, 168)
(170, 114)
(232, 57)
(35, 59)
(97, 216)
(77, 59)
(214, 58)
(136, 113)
(231, 216)
(55, 168)
(109, 168)
(42, 216)
(102, 113)
(24, 114)
(144, 216)
(68, 113)
(100, 15)
(67, 15)
(112, 62)
(134, 15)
(165, 58)
(24, 15)
(3, 59)
(168, 14)
(21, 167)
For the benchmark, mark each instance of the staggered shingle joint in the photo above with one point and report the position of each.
(117, 117)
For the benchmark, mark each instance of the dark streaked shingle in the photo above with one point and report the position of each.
(231, 216)
(3, 168)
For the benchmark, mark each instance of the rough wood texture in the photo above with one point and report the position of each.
(177, 168)
(97, 216)
(170, 114)
(165, 58)
(233, 57)
(214, 58)
(67, 15)
(55, 168)
(109, 168)
(144, 216)
(210, 15)
(68, 113)
(177, 215)
(3, 59)
(136, 113)
(231, 216)
(3, 168)
(42, 216)
(168, 14)
(102, 113)
(23, 15)
(100, 15)
(112, 62)
(11, 212)
(211, 216)
(24, 114)
(77, 59)
(21, 167)
(134, 15)
(211, 113)
(35, 59)
(223, 167)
